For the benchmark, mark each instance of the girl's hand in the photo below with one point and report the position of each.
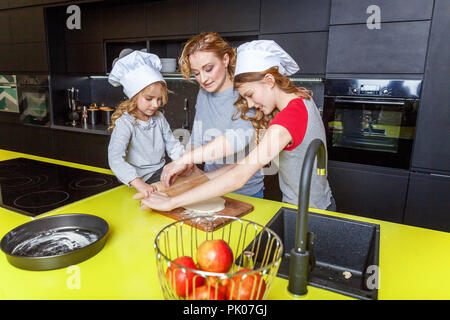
(159, 201)
(147, 190)
(142, 187)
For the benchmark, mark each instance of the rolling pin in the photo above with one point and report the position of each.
(181, 185)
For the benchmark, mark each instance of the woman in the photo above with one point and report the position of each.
(292, 121)
(216, 132)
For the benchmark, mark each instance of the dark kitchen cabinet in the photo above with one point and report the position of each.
(29, 57)
(278, 16)
(431, 146)
(85, 58)
(4, 4)
(33, 140)
(90, 149)
(5, 29)
(368, 191)
(427, 205)
(23, 3)
(27, 25)
(240, 15)
(91, 25)
(171, 18)
(351, 11)
(124, 21)
(7, 63)
(395, 48)
(308, 49)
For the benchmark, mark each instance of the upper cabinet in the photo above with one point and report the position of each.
(23, 3)
(90, 25)
(4, 4)
(5, 29)
(394, 48)
(124, 21)
(171, 18)
(27, 24)
(279, 16)
(308, 49)
(351, 11)
(241, 15)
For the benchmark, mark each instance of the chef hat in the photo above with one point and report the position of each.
(260, 55)
(135, 70)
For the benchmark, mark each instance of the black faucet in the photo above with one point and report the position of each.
(302, 259)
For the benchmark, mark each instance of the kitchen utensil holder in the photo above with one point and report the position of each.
(254, 246)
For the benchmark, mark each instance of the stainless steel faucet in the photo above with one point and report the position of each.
(301, 257)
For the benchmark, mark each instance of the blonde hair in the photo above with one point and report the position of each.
(211, 42)
(130, 105)
(260, 120)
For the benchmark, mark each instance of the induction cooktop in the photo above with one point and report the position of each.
(33, 187)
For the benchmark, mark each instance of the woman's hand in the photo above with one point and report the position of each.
(158, 201)
(174, 169)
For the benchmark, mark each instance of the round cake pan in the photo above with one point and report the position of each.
(55, 242)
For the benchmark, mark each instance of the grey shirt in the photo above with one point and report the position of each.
(213, 118)
(137, 148)
(290, 165)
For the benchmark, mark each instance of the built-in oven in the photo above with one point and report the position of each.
(33, 94)
(371, 121)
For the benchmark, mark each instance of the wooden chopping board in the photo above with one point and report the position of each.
(233, 207)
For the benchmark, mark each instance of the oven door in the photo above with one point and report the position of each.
(369, 130)
(34, 104)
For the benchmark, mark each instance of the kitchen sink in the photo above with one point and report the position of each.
(346, 252)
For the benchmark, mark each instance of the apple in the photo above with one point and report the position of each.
(179, 279)
(214, 256)
(206, 292)
(241, 286)
(220, 284)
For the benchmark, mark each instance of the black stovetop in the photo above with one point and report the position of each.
(33, 187)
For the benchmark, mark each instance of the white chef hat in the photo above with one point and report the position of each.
(260, 55)
(134, 71)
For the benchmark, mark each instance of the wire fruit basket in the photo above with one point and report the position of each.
(256, 254)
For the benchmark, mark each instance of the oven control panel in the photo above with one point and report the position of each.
(388, 88)
(369, 90)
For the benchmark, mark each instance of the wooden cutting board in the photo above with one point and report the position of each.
(234, 208)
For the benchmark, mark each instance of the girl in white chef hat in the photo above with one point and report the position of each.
(141, 135)
(292, 121)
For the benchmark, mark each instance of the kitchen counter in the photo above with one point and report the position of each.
(414, 262)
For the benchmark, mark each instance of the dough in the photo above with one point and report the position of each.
(206, 207)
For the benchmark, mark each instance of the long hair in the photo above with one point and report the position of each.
(211, 42)
(130, 105)
(260, 121)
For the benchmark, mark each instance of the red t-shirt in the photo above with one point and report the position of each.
(294, 118)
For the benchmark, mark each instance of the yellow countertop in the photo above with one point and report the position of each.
(414, 262)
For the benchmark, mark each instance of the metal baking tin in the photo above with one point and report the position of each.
(58, 223)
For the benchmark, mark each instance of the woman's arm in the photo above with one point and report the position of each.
(215, 149)
(232, 178)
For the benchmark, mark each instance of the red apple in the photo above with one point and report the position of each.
(246, 287)
(206, 293)
(183, 282)
(214, 256)
(220, 284)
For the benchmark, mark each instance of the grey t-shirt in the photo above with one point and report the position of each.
(137, 148)
(291, 162)
(213, 118)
